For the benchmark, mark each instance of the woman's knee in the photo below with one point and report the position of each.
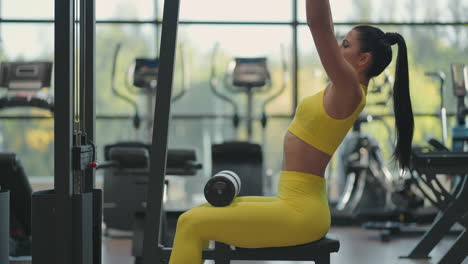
(187, 220)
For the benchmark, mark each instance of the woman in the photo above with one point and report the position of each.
(300, 213)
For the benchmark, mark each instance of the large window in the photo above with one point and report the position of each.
(240, 10)
(27, 41)
(125, 9)
(25, 9)
(436, 33)
(382, 11)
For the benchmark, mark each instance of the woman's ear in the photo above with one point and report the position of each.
(365, 60)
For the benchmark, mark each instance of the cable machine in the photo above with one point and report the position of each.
(66, 220)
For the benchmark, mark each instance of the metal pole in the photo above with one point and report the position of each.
(64, 76)
(156, 25)
(2, 19)
(249, 113)
(160, 134)
(295, 58)
(150, 99)
(4, 225)
(87, 83)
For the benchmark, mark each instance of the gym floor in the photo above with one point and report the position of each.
(358, 246)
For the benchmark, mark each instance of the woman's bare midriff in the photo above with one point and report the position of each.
(301, 157)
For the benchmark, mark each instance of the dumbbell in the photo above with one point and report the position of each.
(222, 188)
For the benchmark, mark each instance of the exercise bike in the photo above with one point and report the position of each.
(361, 168)
(371, 191)
(409, 206)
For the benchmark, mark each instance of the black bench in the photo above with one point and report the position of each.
(318, 251)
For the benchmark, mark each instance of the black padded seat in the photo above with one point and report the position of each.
(317, 251)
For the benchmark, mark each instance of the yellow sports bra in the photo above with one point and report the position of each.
(314, 126)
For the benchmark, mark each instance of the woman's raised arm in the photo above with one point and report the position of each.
(319, 19)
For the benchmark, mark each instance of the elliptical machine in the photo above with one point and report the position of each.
(249, 76)
(24, 82)
(125, 182)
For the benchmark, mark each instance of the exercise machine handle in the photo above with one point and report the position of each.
(437, 145)
(185, 76)
(213, 83)
(104, 164)
(136, 118)
(284, 83)
(443, 112)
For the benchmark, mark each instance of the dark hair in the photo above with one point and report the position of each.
(379, 44)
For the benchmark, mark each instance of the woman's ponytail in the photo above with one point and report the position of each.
(404, 121)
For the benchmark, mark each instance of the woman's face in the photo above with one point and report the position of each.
(351, 50)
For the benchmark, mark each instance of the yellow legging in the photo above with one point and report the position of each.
(298, 215)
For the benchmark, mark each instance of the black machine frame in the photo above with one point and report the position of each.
(67, 220)
(151, 241)
(452, 204)
(4, 225)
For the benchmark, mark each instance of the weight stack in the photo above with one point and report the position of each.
(87, 217)
(4, 226)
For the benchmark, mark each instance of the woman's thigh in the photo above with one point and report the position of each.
(250, 224)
